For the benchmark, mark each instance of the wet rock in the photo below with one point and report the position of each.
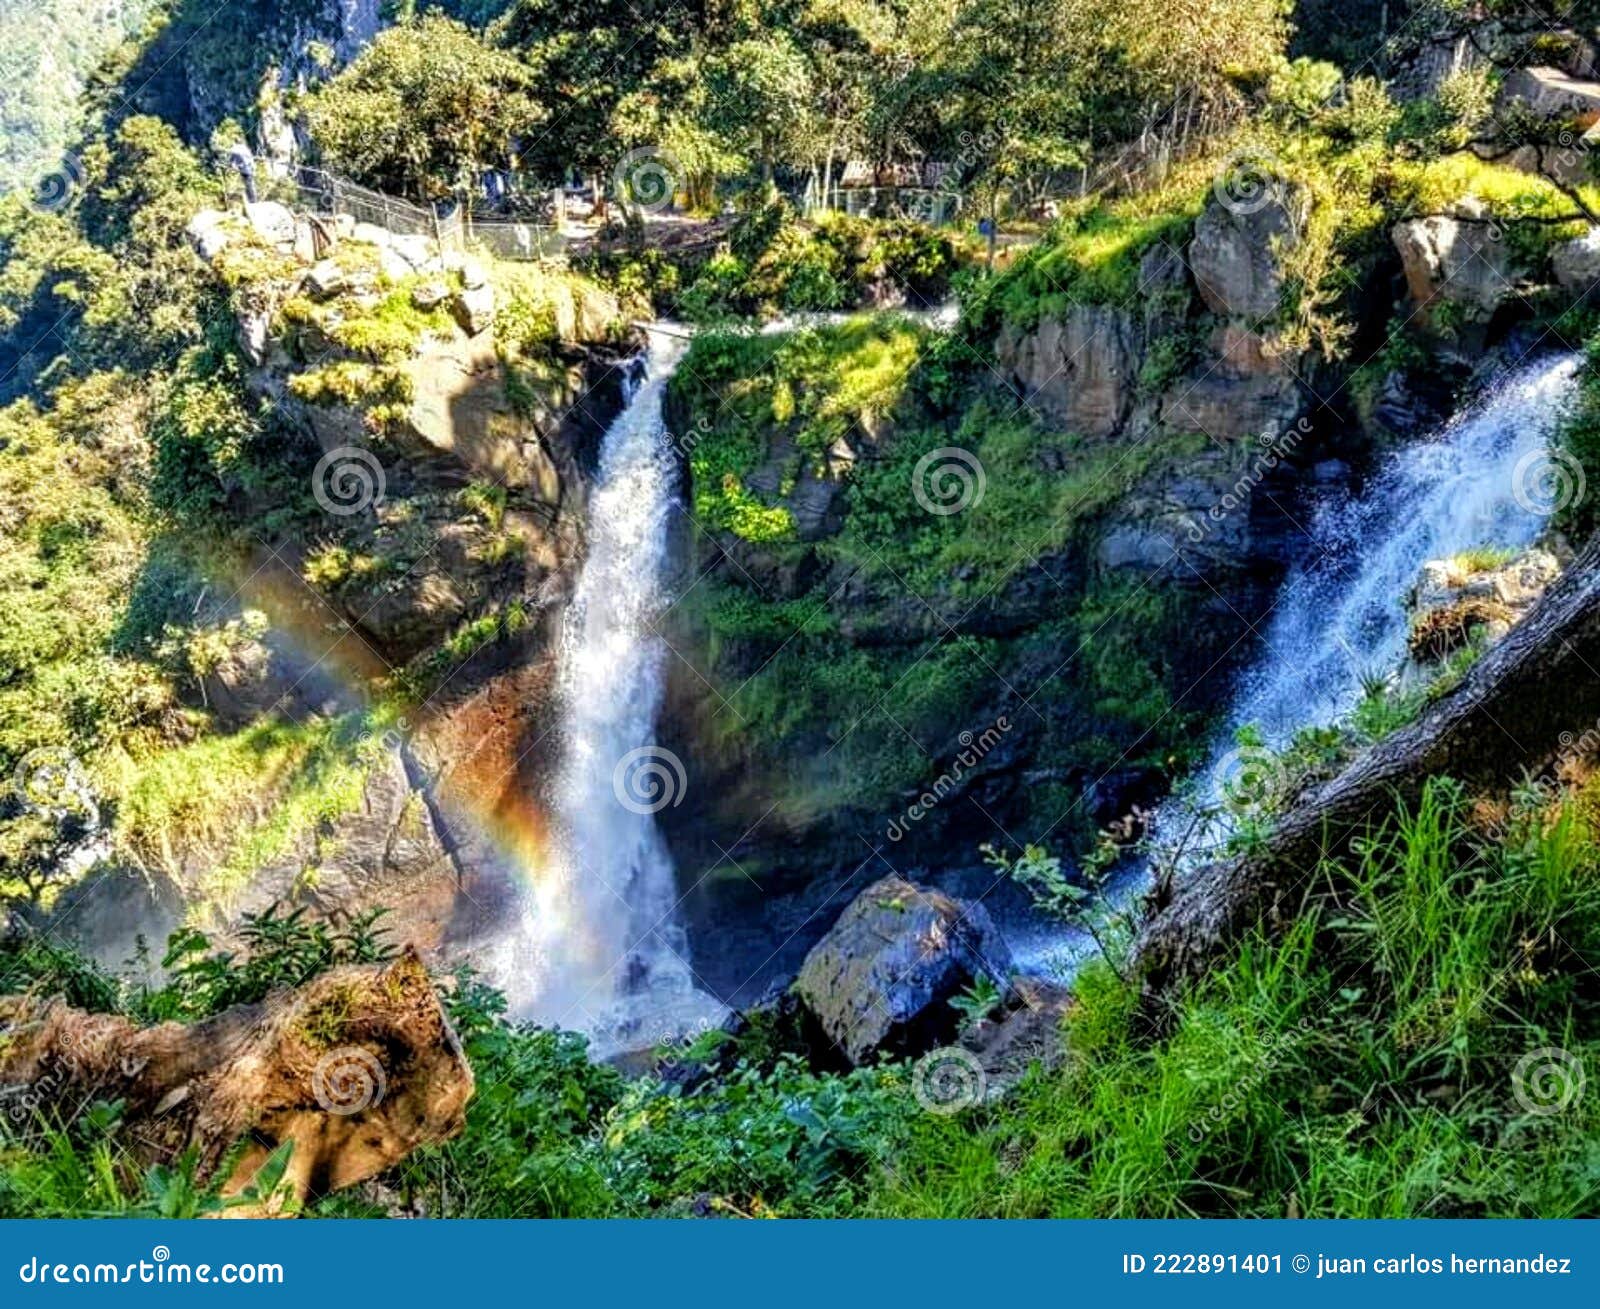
(1191, 525)
(1453, 598)
(883, 976)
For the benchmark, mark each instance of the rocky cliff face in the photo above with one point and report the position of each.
(1190, 385)
(440, 468)
(295, 46)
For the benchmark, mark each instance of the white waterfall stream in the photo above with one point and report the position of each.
(599, 950)
(1339, 616)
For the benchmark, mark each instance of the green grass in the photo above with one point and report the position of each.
(1376, 1059)
(1363, 1066)
(1093, 256)
(238, 801)
(744, 394)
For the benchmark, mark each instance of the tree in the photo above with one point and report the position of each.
(423, 109)
(761, 96)
(585, 61)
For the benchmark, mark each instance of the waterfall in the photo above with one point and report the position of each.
(598, 949)
(1340, 614)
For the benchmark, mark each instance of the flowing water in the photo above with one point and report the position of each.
(1340, 618)
(599, 949)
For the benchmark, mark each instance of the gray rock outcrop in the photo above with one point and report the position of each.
(883, 977)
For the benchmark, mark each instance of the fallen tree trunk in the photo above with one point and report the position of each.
(356, 1068)
(1530, 697)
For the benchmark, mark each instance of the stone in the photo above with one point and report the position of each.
(306, 245)
(1551, 93)
(1577, 262)
(418, 252)
(1164, 289)
(1195, 524)
(1080, 370)
(1229, 409)
(428, 296)
(325, 279)
(883, 976)
(254, 334)
(1457, 257)
(1029, 1035)
(1236, 254)
(208, 234)
(272, 222)
(370, 234)
(1453, 597)
(474, 309)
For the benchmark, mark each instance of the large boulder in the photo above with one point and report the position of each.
(1238, 250)
(1576, 263)
(272, 222)
(1551, 93)
(208, 233)
(883, 977)
(1080, 370)
(1458, 258)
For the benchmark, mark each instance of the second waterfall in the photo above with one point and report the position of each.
(599, 949)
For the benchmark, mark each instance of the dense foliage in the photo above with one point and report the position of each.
(1365, 1062)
